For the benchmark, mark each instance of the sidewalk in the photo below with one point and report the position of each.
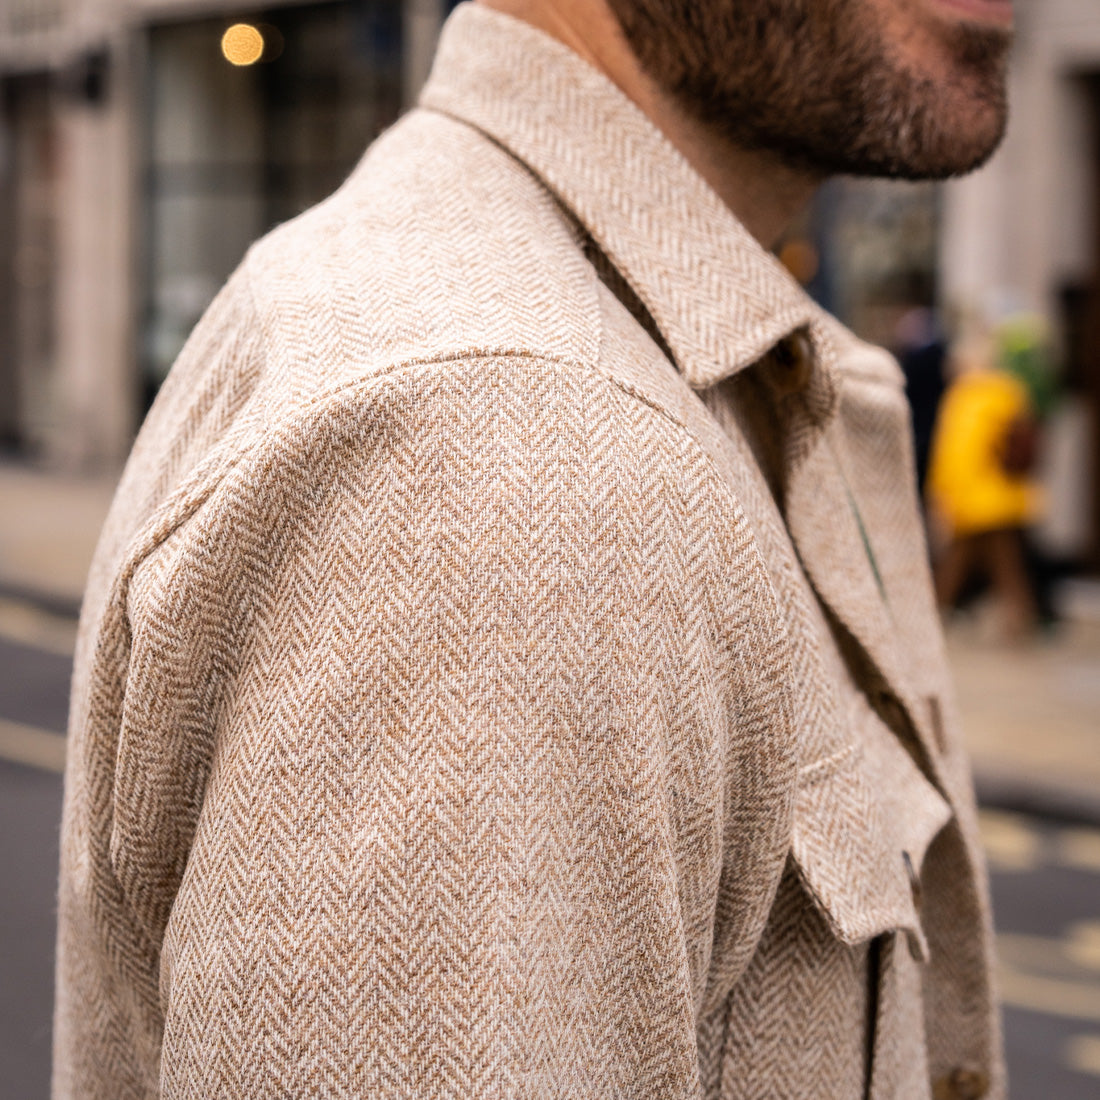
(49, 524)
(1031, 715)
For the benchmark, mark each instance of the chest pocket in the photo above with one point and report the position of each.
(864, 818)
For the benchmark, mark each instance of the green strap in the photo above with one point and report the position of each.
(866, 543)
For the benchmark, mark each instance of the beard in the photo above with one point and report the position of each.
(817, 83)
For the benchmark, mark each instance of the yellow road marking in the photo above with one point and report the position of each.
(30, 745)
(1083, 944)
(1050, 996)
(1055, 977)
(1080, 849)
(1082, 1053)
(1010, 843)
(28, 626)
(1038, 956)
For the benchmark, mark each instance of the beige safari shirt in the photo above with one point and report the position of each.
(509, 668)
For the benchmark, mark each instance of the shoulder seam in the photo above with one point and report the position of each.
(162, 527)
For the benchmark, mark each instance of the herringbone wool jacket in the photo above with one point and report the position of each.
(509, 668)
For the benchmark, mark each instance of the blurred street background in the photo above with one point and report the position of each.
(145, 143)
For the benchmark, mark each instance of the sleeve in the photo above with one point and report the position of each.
(453, 742)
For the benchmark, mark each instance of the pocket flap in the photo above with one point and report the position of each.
(864, 819)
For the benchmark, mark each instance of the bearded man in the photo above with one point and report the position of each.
(510, 667)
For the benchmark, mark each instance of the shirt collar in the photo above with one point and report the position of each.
(720, 300)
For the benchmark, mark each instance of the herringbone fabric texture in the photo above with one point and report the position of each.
(497, 680)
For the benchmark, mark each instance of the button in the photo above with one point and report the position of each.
(794, 360)
(961, 1084)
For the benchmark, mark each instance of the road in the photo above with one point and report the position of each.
(1046, 887)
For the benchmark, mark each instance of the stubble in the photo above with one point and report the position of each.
(817, 83)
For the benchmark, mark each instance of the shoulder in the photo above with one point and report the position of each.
(439, 246)
(440, 299)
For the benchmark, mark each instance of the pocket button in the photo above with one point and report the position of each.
(961, 1084)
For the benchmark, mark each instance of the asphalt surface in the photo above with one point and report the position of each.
(30, 808)
(1046, 887)
(1046, 899)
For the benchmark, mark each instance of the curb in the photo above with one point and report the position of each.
(53, 603)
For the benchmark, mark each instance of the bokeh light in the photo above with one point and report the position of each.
(242, 44)
(801, 259)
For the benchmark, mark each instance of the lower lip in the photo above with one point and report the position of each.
(994, 12)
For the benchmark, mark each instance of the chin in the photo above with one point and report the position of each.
(935, 142)
(958, 141)
(929, 130)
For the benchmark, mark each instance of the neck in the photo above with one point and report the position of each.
(763, 192)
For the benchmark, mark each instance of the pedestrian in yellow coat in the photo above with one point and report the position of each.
(980, 482)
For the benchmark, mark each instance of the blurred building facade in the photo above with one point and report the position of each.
(1023, 236)
(137, 163)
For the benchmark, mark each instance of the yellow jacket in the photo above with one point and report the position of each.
(967, 479)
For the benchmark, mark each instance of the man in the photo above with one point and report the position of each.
(510, 668)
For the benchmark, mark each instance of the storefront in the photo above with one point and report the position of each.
(28, 244)
(1023, 236)
(141, 153)
(250, 118)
